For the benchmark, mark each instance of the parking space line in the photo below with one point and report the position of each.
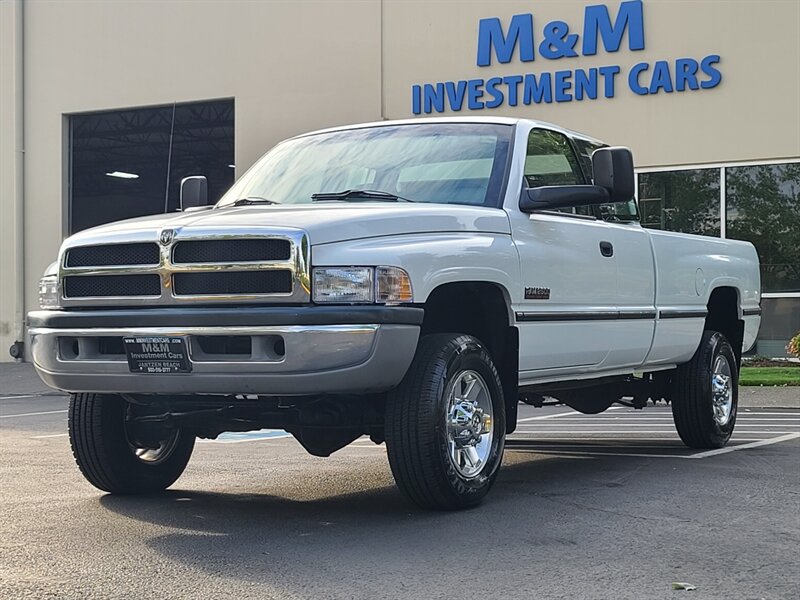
(750, 411)
(618, 419)
(718, 451)
(573, 424)
(34, 414)
(595, 453)
(633, 426)
(572, 412)
(240, 437)
(269, 439)
(16, 397)
(564, 414)
(549, 442)
(50, 435)
(597, 450)
(609, 431)
(640, 431)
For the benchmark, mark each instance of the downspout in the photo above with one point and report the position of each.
(383, 62)
(17, 350)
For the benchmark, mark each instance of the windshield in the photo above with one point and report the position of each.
(456, 163)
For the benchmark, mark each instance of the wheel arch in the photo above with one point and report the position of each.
(725, 315)
(481, 309)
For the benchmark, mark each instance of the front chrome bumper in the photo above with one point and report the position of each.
(319, 356)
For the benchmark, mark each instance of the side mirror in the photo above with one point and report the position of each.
(612, 169)
(553, 197)
(194, 192)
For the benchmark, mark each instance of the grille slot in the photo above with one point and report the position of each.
(113, 255)
(99, 286)
(232, 283)
(231, 251)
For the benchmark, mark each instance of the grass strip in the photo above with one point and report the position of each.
(769, 376)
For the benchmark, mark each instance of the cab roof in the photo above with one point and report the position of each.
(439, 120)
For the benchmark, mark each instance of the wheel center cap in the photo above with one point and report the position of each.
(721, 387)
(467, 423)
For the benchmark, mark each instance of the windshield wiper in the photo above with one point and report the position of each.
(358, 195)
(252, 200)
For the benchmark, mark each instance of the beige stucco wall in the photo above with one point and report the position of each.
(296, 65)
(10, 179)
(754, 113)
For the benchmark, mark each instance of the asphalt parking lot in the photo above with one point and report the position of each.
(605, 506)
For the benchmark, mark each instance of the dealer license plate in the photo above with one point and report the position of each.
(157, 354)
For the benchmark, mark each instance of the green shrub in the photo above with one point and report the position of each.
(794, 345)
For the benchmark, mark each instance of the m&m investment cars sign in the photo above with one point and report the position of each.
(555, 41)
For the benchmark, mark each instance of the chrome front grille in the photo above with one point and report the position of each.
(213, 265)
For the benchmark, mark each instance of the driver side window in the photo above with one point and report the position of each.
(550, 160)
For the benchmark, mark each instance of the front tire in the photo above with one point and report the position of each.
(705, 394)
(445, 424)
(112, 458)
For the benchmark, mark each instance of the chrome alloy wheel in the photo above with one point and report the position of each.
(721, 390)
(469, 423)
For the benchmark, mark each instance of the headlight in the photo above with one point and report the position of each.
(361, 285)
(344, 284)
(48, 292)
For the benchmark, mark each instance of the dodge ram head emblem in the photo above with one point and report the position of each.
(167, 236)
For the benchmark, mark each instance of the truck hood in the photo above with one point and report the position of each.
(324, 223)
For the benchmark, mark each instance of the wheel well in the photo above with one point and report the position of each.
(723, 316)
(480, 308)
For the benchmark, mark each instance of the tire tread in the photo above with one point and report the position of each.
(101, 451)
(690, 410)
(411, 441)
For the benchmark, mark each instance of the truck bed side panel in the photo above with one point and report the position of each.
(688, 269)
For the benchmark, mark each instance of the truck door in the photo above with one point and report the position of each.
(566, 302)
(632, 334)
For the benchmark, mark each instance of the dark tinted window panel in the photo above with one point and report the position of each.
(99, 286)
(113, 255)
(763, 207)
(686, 201)
(225, 251)
(232, 283)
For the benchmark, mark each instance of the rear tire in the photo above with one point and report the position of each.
(100, 438)
(705, 394)
(445, 424)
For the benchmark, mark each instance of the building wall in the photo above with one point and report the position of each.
(10, 173)
(753, 113)
(297, 65)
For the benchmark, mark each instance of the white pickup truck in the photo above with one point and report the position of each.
(408, 280)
